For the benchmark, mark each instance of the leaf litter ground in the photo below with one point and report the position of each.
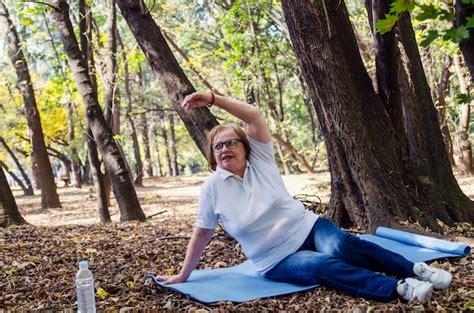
(39, 261)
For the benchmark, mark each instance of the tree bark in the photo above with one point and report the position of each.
(164, 135)
(173, 144)
(99, 179)
(286, 168)
(463, 129)
(9, 214)
(114, 163)
(133, 132)
(76, 161)
(370, 184)
(201, 78)
(28, 191)
(435, 182)
(112, 111)
(147, 167)
(387, 71)
(15, 178)
(464, 11)
(441, 91)
(49, 196)
(176, 84)
(157, 147)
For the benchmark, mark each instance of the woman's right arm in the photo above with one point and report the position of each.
(199, 240)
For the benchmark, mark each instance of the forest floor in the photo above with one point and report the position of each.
(38, 261)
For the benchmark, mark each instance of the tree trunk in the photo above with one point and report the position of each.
(76, 161)
(307, 103)
(301, 159)
(435, 183)
(9, 214)
(15, 178)
(157, 147)
(203, 80)
(99, 179)
(147, 167)
(441, 91)
(49, 196)
(387, 71)
(29, 187)
(114, 163)
(463, 12)
(368, 179)
(136, 148)
(286, 168)
(176, 84)
(463, 129)
(164, 135)
(112, 111)
(173, 144)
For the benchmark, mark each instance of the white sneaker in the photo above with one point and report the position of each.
(413, 289)
(440, 278)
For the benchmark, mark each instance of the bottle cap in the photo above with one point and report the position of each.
(83, 265)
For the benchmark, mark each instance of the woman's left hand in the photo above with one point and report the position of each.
(196, 100)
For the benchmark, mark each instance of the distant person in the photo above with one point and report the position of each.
(285, 241)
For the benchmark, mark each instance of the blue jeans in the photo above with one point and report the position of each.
(337, 259)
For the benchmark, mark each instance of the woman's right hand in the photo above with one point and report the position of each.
(171, 279)
(196, 100)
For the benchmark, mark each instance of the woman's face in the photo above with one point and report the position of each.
(231, 158)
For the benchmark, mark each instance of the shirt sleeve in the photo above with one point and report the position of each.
(260, 151)
(206, 216)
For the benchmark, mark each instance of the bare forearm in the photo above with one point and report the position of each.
(199, 240)
(243, 111)
(257, 128)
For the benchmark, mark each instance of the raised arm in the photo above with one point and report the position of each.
(199, 240)
(257, 128)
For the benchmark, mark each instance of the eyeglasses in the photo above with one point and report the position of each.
(230, 144)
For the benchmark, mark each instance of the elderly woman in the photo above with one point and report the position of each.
(285, 241)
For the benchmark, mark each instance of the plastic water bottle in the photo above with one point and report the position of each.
(85, 289)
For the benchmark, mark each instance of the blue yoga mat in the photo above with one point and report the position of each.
(242, 282)
(238, 283)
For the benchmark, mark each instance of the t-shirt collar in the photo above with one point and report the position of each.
(224, 174)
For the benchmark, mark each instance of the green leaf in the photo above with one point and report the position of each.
(102, 293)
(427, 12)
(470, 22)
(401, 6)
(469, 305)
(385, 25)
(456, 34)
(130, 284)
(429, 37)
(10, 272)
(467, 1)
(463, 98)
(445, 15)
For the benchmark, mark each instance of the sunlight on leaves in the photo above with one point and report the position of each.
(102, 293)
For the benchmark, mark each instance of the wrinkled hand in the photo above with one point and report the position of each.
(196, 100)
(171, 279)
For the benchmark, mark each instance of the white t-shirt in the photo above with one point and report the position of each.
(257, 210)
